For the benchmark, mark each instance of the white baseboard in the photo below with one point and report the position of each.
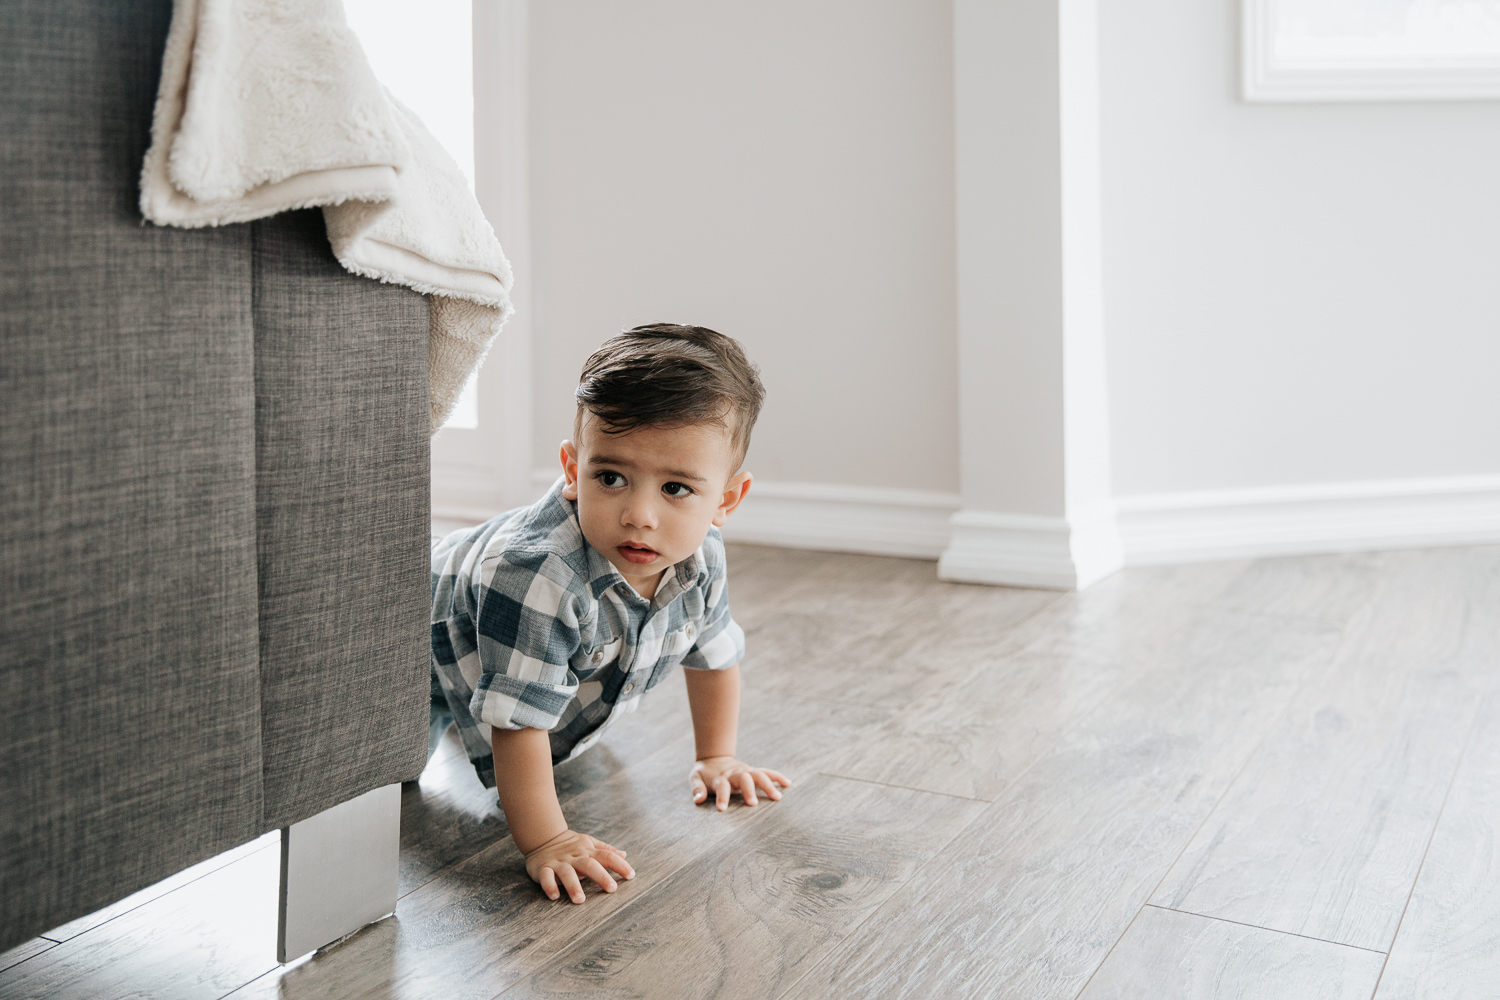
(1305, 520)
(1018, 550)
(465, 495)
(868, 519)
(1021, 550)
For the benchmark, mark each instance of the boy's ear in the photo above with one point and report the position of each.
(569, 455)
(734, 492)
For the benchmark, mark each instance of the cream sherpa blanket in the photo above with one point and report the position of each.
(270, 105)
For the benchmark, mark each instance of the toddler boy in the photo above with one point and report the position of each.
(550, 622)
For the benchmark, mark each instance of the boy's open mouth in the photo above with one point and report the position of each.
(640, 554)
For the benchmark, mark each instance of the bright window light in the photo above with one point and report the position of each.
(466, 410)
(1371, 50)
(424, 54)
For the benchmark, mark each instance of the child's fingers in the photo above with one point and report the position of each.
(746, 782)
(594, 870)
(615, 862)
(722, 792)
(548, 882)
(700, 790)
(569, 879)
(777, 777)
(764, 782)
(607, 847)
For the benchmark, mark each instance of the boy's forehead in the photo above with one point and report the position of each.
(701, 449)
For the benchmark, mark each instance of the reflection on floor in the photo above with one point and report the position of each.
(1263, 779)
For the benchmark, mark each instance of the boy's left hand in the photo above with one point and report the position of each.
(726, 776)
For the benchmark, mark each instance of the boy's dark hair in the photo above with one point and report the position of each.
(669, 375)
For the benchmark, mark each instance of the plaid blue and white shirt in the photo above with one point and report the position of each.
(532, 628)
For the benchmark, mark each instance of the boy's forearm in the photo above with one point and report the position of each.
(714, 698)
(523, 779)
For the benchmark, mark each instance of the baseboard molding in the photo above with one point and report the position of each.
(1020, 550)
(867, 519)
(465, 495)
(1306, 520)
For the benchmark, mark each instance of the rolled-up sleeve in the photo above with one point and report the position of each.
(527, 626)
(721, 642)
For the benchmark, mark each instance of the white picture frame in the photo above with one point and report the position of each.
(1424, 59)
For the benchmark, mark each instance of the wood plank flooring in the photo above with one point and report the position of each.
(1271, 779)
(1167, 955)
(1448, 947)
(1334, 854)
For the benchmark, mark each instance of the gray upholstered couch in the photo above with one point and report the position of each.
(213, 498)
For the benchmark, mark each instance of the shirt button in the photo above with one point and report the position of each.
(598, 656)
(629, 688)
(689, 630)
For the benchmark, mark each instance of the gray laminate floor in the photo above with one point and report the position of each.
(1275, 779)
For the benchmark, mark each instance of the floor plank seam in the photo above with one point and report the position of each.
(905, 788)
(1436, 822)
(253, 980)
(1188, 840)
(1262, 927)
(148, 902)
(1083, 718)
(1255, 748)
(1115, 944)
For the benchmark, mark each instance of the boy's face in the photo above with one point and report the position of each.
(646, 498)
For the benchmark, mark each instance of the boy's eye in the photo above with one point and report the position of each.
(610, 479)
(676, 490)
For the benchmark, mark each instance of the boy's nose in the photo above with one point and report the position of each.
(640, 513)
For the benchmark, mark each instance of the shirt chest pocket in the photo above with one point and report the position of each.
(678, 642)
(587, 662)
(674, 646)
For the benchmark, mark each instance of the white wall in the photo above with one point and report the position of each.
(1295, 295)
(1301, 331)
(780, 171)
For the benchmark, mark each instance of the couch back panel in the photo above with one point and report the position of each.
(213, 498)
(130, 689)
(342, 508)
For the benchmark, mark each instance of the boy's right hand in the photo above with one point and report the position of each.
(561, 860)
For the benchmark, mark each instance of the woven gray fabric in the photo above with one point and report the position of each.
(129, 706)
(343, 523)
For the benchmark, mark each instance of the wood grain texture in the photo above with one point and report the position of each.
(1166, 955)
(1006, 698)
(448, 816)
(483, 924)
(23, 951)
(1323, 833)
(201, 940)
(750, 916)
(1448, 947)
(1029, 899)
(869, 631)
(1107, 727)
(1327, 588)
(472, 932)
